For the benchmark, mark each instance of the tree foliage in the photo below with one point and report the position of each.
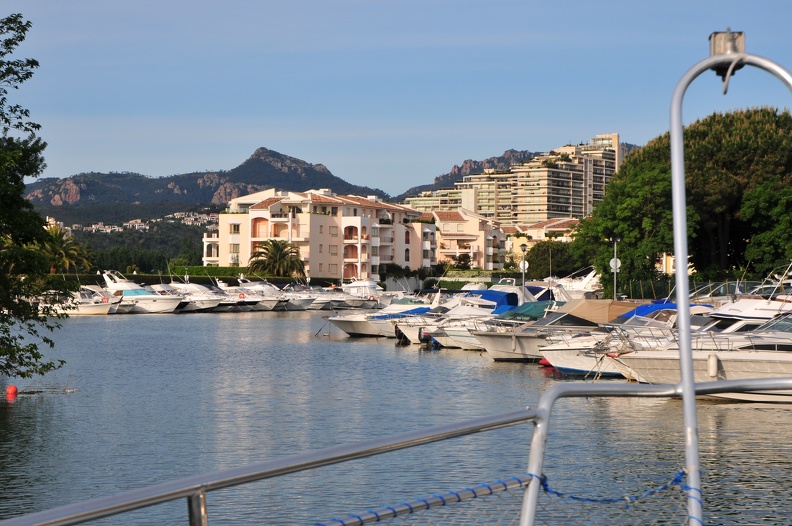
(63, 252)
(738, 167)
(276, 257)
(24, 270)
(550, 258)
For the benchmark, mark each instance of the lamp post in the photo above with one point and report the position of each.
(523, 247)
(615, 263)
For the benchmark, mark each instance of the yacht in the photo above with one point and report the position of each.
(146, 302)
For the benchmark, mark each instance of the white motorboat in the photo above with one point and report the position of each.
(505, 340)
(83, 302)
(645, 327)
(765, 352)
(118, 304)
(196, 302)
(376, 324)
(146, 302)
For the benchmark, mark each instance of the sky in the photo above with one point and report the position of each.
(386, 94)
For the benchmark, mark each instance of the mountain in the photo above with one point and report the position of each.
(117, 197)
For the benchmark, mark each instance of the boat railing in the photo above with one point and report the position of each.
(529, 486)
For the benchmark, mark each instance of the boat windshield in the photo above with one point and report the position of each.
(780, 324)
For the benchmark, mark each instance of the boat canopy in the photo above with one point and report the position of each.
(529, 311)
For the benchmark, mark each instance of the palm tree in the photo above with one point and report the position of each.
(275, 257)
(63, 251)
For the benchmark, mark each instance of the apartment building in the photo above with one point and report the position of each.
(465, 232)
(338, 236)
(566, 182)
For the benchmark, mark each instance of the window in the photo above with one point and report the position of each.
(406, 255)
(334, 231)
(333, 270)
(407, 237)
(321, 229)
(333, 250)
(333, 210)
(235, 247)
(234, 228)
(321, 248)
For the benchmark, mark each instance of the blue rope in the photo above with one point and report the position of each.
(676, 481)
(440, 497)
(374, 513)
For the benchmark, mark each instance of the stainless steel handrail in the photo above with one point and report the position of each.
(194, 488)
(566, 390)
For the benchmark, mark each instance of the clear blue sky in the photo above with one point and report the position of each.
(387, 94)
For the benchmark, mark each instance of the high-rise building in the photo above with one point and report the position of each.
(566, 182)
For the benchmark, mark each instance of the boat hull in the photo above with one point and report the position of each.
(662, 367)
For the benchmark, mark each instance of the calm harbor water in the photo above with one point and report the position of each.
(150, 398)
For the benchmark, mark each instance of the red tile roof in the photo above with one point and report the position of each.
(263, 205)
(448, 216)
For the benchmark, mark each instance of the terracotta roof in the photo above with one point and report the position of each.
(263, 205)
(316, 198)
(426, 216)
(448, 216)
(556, 223)
(509, 229)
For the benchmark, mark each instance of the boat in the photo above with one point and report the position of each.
(765, 352)
(83, 302)
(645, 327)
(196, 302)
(505, 339)
(365, 324)
(145, 301)
(118, 304)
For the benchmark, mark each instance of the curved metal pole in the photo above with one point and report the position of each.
(686, 385)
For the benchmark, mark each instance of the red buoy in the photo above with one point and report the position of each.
(544, 362)
(11, 392)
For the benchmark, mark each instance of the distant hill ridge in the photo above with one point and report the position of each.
(117, 197)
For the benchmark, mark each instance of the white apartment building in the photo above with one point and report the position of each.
(464, 232)
(566, 182)
(339, 237)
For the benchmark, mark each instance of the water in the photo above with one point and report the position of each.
(151, 398)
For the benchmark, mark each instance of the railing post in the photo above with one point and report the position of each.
(196, 508)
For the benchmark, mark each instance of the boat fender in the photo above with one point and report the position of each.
(104, 300)
(241, 296)
(372, 298)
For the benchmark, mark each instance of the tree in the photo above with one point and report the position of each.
(737, 167)
(62, 251)
(275, 257)
(24, 270)
(548, 258)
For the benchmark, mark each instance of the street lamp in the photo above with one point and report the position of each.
(615, 263)
(523, 247)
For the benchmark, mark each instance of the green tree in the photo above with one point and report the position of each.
(548, 258)
(63, 252)
(24, 271)
(733, 162)
(275, 257)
